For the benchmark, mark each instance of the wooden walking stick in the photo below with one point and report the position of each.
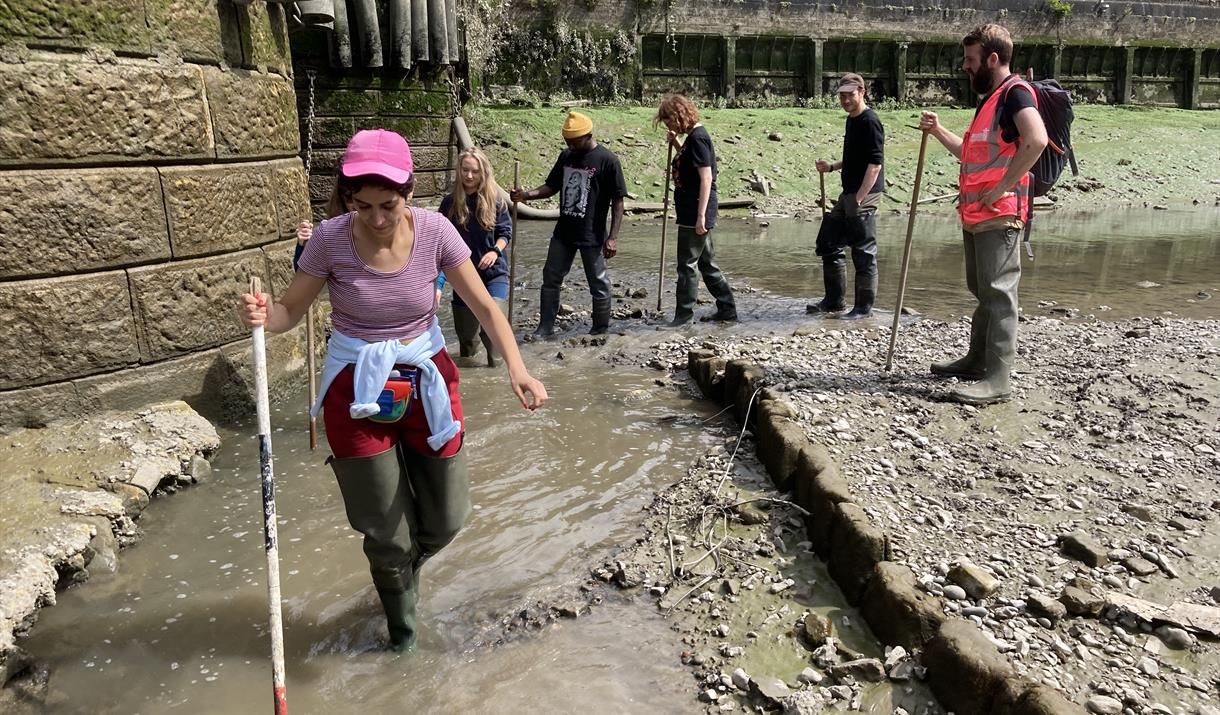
(906, 252)
(270, 538)
(512, 245)
(669, 156)
(822, 186)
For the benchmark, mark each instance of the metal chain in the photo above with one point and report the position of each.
(311, 74)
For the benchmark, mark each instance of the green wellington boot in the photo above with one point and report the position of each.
(999, 266)
(466, 325)
(995, 385)
(399, 608)
(487, 345)
(970, 366)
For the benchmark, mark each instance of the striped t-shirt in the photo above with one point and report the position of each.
(372, 305)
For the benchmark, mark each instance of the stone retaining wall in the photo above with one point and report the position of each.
(966, 671)
(418, 103)
(148, 167)
(777, 52)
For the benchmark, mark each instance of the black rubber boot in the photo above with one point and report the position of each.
(834, 277)
(866, 295)
(548, 308)
(601, 316)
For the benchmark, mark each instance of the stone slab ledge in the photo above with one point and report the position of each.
(966, 671)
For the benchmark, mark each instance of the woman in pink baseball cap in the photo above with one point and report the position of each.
(389, 389)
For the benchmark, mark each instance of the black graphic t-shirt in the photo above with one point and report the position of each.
(587, 183)
(696, 152)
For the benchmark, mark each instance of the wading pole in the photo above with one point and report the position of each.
(906, 253)
(669, 156)
(270, 539)
(313, 383)
(822, 186)
(512, 245)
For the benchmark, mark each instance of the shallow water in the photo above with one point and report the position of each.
(1082, 261)
(182, 625)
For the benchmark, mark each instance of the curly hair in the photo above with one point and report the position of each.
(677, 108)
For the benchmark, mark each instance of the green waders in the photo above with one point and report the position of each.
(993, 272)
(408, 507)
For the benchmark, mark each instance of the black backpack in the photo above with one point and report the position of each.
(1055, 107)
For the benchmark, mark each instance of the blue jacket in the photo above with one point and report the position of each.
(481, 240)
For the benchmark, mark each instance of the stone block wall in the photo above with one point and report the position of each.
(418, 103)
(148, 167)
(790, 51)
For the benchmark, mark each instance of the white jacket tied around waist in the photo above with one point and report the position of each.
(375, 361)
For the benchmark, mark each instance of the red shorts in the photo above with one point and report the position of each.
(363, 438)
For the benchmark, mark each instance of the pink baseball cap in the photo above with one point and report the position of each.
(378, 152)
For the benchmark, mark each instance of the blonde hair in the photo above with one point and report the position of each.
(488, 193)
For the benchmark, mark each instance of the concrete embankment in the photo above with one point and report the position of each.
(72, 495)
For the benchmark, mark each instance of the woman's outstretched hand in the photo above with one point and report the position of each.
(526, 384)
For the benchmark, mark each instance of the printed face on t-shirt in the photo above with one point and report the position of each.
(575, 200)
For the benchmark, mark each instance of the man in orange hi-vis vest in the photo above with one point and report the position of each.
(1003, 142)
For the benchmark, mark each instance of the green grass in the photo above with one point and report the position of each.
(1168, 155)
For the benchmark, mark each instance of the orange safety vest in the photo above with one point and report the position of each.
(985, 159)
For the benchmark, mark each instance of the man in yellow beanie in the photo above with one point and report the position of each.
(589, 181)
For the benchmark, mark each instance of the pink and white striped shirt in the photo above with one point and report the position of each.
(373, 305)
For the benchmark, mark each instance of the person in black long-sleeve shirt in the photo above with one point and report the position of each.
(852, 221)
(480, 214)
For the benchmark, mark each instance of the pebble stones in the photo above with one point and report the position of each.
(1103, 705)
(954, 592)
(1082, 547)
(974, 580)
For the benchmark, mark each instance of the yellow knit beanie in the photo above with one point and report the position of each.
(577, 125)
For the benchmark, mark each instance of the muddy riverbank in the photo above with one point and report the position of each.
(1062, 524)
(71, 496)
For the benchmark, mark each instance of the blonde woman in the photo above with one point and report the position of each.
(476, 209)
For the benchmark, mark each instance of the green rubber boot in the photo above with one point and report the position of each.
(969, 367)
(466, 325)
(487, 345)
(399, 608)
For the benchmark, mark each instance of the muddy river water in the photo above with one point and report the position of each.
(181, 626)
